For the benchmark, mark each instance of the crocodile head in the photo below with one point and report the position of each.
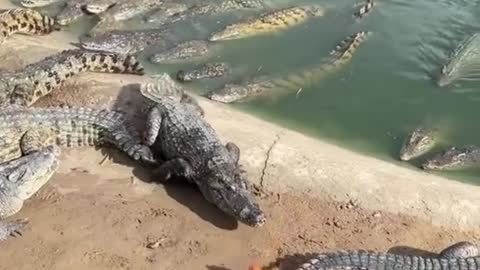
(36, 3)
(228, 33)
(453, 158)
(108, 42)
(445, 77)
(70, 13)
(230, 192)
(418, 143)
(208, 70)
(229, 93)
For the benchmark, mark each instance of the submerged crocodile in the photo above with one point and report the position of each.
(25, 21)
(464, 62)
(418, 142)
(208, 70)
(297, 81)
(128, 42)
(454, 158)
(364, 9)
(190, 147)
(460, 256)
(26, 86)
(183, 51)
(208, 8)
(111, 19)
(75, 9)
(274, 21)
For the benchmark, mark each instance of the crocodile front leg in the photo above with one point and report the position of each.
(460, 250)
(174, 167)
(234, 151)
(11, 228)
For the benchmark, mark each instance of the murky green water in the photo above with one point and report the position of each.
(386, 90)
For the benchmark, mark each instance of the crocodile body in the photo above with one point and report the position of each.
(208, 70)
(418, 142)
(183, 51)
(274, 21)
(208, 9)
(37, 3)
(454, 158)
(127, 42)
(25, 21)
(364, 9)
(190, 147)
(75, 9)
(164, 13)
(461, 256)
(297, 81)
(25, 86)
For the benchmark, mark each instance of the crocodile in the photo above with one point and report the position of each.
(75, 9)
(270, 22)
(111, 19)
(208, 70)
(208, 8)
(37, 3)
(418, 142)
(461, 256)
(190, 148)
(126, 41)
(26, 86)
(454, 158)
(339, 56)
(464, 62)
(364, 10)
(25, 21)
(165, 12)
(183, 51)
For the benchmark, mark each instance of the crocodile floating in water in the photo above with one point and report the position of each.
(183, 51)
(460, 256)
(454, 158)
(165, 12)
(178, 132)
(25, 21)
(208, 70)
(75, 9)
(37, 3)
(208, 8)
(270, 22)
(364, 9)
(418, 142)
(296, 81)
(464, 63)
(128, 42)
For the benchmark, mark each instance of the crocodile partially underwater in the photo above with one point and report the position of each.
(37, 3)
(296, 81)
(418, 142)
(196, 10)
(204, 71)
(270, 22)
(25, 21)
(460, 256)
(26, 86)
(191, 149)
(364, 9)
(128, 42)
(75, 9)
(188, 50)
(25, 130)
(454, 159)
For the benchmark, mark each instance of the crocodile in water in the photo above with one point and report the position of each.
(418, 142)
(25, 86)
(296, 81)
(75, 9)
(364, 9)
(190, 147)
(274, 21)
(37, 3)
(25, 21)
(208, 70)
(183, 51)
(454, 158)
(461, 256)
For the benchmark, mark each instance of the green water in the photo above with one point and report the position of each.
(385, 91)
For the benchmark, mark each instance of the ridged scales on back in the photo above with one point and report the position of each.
(24, 87)
(25, 21)
(190, 147)
(295, 81)
(460, 256)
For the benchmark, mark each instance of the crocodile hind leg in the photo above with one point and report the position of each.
(187, 99)
(234, 151)
(460, 250)
(174, 167)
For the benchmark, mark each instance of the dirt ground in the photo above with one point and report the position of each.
(98, 212)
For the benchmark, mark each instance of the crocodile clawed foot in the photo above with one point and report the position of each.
(12, 228)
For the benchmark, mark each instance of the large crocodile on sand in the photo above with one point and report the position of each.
(204, 71)
(274, 21)
(296, 81)
(460, 256)
(418, 142)
(25, 130)
(25, 21)
(26, 86)
(191, 149)
(454, 158)
(128, 42)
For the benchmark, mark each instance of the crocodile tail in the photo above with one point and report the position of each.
(26, 21)
(111, 63)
